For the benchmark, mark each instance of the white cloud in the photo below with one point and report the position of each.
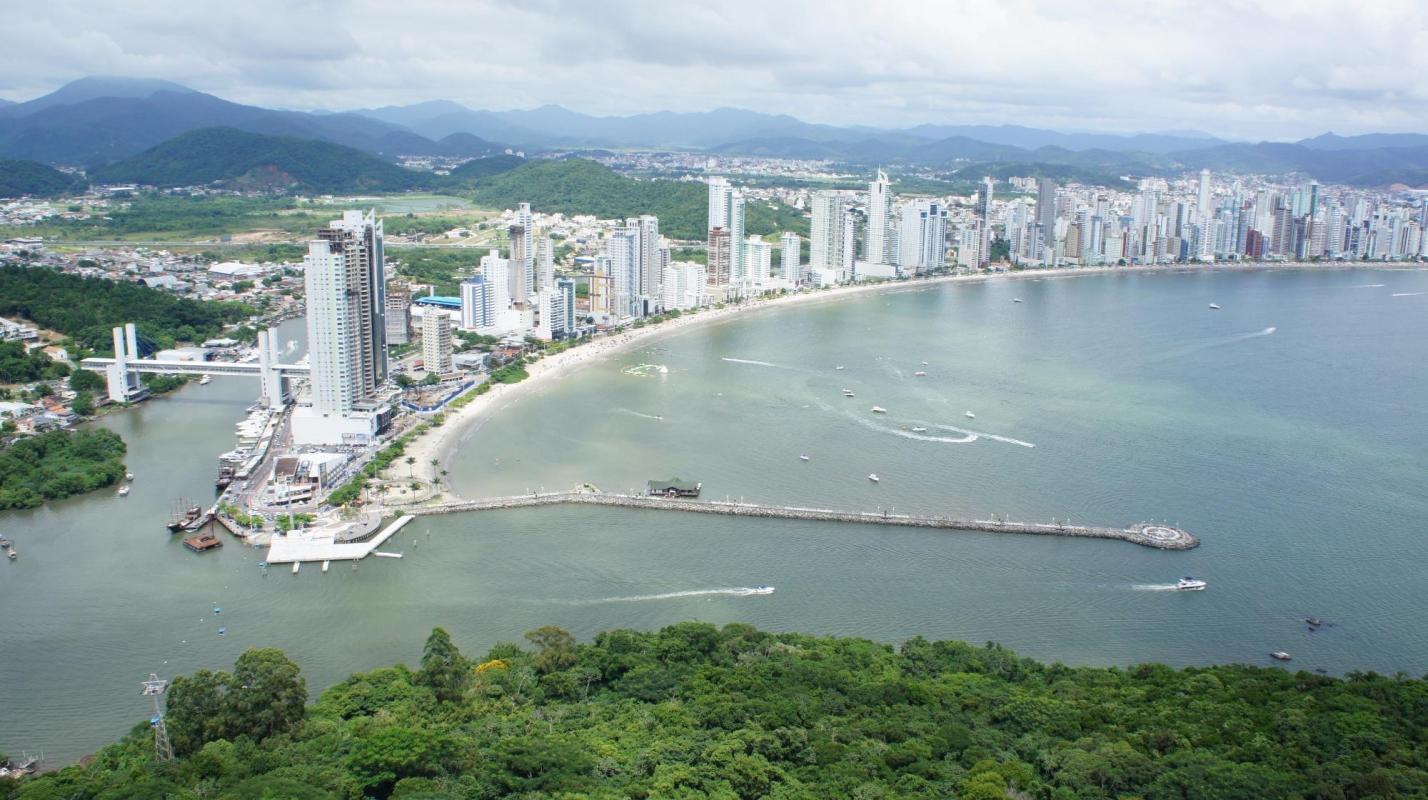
(1248, 68)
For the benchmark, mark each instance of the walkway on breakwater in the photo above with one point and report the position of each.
(1162, 537)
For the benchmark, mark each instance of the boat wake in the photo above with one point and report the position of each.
(1155, 587)
(1228, 340)
(641, 370)
(1366, 286)
(1408, 294)
(634, 413)
(751, 361)
(735, 591)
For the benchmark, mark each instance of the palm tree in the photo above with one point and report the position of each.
(411, 466)
(434, 464)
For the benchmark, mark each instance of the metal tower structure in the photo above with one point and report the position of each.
(163, 749)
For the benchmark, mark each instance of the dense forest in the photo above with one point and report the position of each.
(21, 178)
(255, 161)
(59, 464)
(85, 309)
(19, 365)
(578, 186)
(695, 711)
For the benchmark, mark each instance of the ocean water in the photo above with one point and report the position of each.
(1287, 430)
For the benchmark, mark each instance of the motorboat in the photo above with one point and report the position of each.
(761, 589)
(879, 410)
(803, 457)
(919, 374)
(840, 366)
(1214, 306)
(919, 429)
(873, 476)
(1280, 655)
(1016, 299)
(128, 476)
(123, 491)
(970, 415)
(204, 380)
(1189, 584)
(847, 392)
(924, 363)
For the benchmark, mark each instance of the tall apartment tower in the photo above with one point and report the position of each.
(726, 213)
(1202, 199)
(346, 312)
(399, 312)
(623, 250)
(878, 248)
(984, 217)
(528, 253)
(791, 253)
(719, 257)
(518, 277)
(648, 272)
(1046, 216)
(436, 342)
(829, 236)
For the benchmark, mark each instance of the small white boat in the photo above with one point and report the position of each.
(1189, 584)
(924, 363)
(123, 491)
(873, 476)
(204, 380)
(970, 415)
(879, 410)
(847, 393)
(919, 430)
(803, 457)
(840, 366)
(128, 476)
(919, 374)
(1016, 299)
(1214, 306)
(762, 590)
(1280, 655)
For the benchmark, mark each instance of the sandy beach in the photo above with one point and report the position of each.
(440, 443)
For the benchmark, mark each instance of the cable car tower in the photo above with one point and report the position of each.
(163, 749)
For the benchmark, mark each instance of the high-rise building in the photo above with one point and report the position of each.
(683, 285)
(877, 249)
(347, 307)
(600, 289)
(497, 271)
(647, 256)
(831, 234)
(922, 237)
(557, 311)
(546, 262)
(436, 342)
(1046, 216)
(758, 262)
(984, 214)
(720, 193)
(527, 244)
(478, 304)
(790, 256)
(518, 278)
(623, 250)
(399, 315)
(720, 257)
(736, 235)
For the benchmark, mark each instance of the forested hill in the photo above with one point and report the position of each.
(254, 161)
(21, 178)
(580, 186)
(694, 711)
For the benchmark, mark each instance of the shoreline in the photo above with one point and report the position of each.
(442, 442)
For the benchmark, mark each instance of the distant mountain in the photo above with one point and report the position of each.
(484, 167)
(1033, 138)
(81, 124)
(254, 161)
(1368, 141)
(21, 178)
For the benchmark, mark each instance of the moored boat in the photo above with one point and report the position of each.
(1280, 655)
(873, 477)
(879, 410)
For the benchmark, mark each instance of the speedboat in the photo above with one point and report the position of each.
(919, 374)
(840, 366)
(1214, 307)
(203, 381)
(879, 410)
(1280, 655)
(123, 491)
(1189, 584)
(919, 429)
(761, 589)
(970, 415)
(803, 457)
(873, 476)
(1016, 299)
(128, 476)
(924, 363)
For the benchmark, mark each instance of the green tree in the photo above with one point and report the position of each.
(267, 694)
(443, 669)
(83, 404)
(83, 380)
(556, 648)
(197, 710)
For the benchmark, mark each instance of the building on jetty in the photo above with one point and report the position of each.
(674, 487)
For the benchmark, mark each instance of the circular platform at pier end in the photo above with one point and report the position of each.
(1164, 537)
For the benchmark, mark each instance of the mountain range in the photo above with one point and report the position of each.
(101, 120)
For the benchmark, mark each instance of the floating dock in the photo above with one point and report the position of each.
(1147, 534)
(321, 545)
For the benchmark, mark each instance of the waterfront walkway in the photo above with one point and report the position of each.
(1163, 537)
(325, 544)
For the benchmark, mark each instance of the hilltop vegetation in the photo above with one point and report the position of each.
(254, 161)
(59, 464)
(579, 186)
(695, 711)
(30, 178)
(85, 309)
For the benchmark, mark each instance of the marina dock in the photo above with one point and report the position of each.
(1159, 536)
(321, 545)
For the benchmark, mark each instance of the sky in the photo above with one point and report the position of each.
(1234, 68)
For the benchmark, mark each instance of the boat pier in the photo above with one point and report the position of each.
(1146, 534)
(322, 545)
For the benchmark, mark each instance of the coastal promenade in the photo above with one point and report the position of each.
(1161, 537)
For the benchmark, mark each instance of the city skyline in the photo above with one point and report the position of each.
(1244, 71)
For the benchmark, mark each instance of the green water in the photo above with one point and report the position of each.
(1297, 456)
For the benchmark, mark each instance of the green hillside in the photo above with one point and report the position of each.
(21, 178)
(484, 167)
(695, 711)
(254, 161)
(579, 186)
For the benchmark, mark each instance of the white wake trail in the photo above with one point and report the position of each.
(634, 413)
(733, 591)
(750, 361)
(1408, 294)
(1154, 587)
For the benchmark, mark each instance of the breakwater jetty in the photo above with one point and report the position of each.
(1162, 537)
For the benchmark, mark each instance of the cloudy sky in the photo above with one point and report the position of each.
(1242, 68)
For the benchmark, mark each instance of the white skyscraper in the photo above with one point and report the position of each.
(527, 223)
(546, 261)
(877, 250)
(791, 253)
(436, 342)
(647, 255)
(1203, 200)
(922, 237)
(478, 304)
(830, 234)
(683, 285)
(758, 262)
(736, 235)
(497, 271)
(557, 311)
(623, 250)
(720, 192)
